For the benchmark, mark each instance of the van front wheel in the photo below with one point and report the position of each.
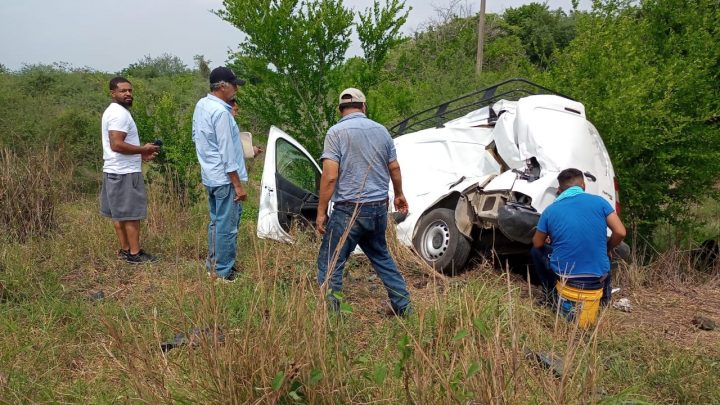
(440, 243)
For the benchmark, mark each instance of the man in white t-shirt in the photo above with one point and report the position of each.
(122, 197)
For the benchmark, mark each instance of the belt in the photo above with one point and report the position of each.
(363, 204)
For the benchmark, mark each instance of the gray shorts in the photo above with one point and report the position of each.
(122, 196)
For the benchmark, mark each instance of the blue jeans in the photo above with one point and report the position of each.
(368, 231)
(222, 229)
(548, 278)
(544, 274)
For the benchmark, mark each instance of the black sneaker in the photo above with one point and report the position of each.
(122, 254)
(141, 257)
(390, 312)
(231, 278)
(233, 275)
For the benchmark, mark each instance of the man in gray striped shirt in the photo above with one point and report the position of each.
(359, 160)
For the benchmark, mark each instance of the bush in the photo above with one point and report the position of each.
(149, 67)
(31, 187)
(649, 83)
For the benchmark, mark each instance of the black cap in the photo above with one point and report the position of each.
(223, 74)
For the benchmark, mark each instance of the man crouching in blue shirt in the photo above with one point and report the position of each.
(576, 224)
(222, 166)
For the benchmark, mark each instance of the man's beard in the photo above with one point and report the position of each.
(126, 104)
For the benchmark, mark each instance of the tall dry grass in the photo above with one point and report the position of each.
(471, 346)
(31, 188)
(269, 338)
(674, 266)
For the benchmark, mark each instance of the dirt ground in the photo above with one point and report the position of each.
(669, 312)
(665, 313)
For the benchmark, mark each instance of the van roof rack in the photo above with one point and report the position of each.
(511, 89)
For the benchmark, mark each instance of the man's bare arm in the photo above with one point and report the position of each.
(618, 230)
(328, 180)
(396, 177)
(539, 239)
(329, 177)
(400, 202)
(118, 144)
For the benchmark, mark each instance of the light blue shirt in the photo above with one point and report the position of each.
(217, 142)
(363, 149)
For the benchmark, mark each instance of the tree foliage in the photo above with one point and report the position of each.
(646, 72)
(540, 30)
(648, 76)
(59, 107)
(379, 32)
(202, 66)
(293, 81)
(149, 67)
(50, 105)
(438, 64)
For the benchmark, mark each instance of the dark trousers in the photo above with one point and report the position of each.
(543, 272)
(548, 278)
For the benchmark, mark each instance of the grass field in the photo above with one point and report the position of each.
(268, 338)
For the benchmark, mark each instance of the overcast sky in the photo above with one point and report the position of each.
(108, 35)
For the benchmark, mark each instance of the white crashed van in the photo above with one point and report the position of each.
(477, 171)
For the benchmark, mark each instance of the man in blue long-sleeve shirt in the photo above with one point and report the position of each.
(220, 153)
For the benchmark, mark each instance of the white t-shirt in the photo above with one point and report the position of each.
(118, 118)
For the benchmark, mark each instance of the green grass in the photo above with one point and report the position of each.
(466, 342)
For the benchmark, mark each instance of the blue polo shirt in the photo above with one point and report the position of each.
(577, 227)
(363, 149)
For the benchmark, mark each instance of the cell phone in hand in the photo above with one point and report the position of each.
(158, 142)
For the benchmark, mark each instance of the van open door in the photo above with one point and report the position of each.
(289, 188)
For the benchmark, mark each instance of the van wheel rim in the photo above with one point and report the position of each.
(436, 240)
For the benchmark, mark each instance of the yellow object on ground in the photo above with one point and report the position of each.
(577, 304)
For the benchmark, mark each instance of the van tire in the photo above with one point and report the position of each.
(439, 243)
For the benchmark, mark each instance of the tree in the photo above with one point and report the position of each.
(438, 64)
(379, 32)
(293, 58)
(149, 67)
(648, 77)
(202, 65)
(541, 31)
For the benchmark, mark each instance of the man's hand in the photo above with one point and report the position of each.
(401, 204)
(240, 194)
(320, 222)
(149, 148)
(257, 150)
(150, 157)
(149, 151)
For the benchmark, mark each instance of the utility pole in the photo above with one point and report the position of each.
(481, 39)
